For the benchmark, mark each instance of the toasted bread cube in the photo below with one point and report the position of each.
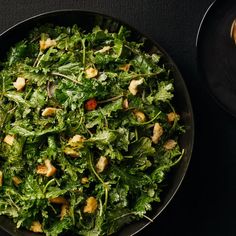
(84, 180)
(91, 205)
(101, 164)
(157, 133)
(16, 180)
(140, 116)
(49, 111)
(133, 87)
(125, 67)
(64, 211)
(170, 144)
(125, 104)
(9, 139)
(172, 116)
(19, 84)
(42, 170)
(51, 169)
(44, 44)
(76, 140)
(71, 152)
(91, 73)
(58, 200)
(47, 169)
(36, 227)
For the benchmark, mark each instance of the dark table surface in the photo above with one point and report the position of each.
(205, 202)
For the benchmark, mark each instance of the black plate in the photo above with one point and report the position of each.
(86, 20)
(217, 53)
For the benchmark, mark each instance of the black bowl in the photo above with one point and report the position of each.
(86, 20)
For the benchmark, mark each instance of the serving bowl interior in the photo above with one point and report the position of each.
(87, 20)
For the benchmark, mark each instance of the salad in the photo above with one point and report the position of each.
(88, 130)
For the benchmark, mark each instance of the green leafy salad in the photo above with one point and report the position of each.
(88, 131)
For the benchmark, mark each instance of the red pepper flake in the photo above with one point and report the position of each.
(91, 104)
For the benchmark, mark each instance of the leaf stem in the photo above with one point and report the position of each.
(93, 170)
(150, 121)
(84, 52)
(66, 77)
(110, 99)
(48, 183)
(37, 61)
(105, 186)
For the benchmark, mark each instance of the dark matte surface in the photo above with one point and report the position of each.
(205, 203)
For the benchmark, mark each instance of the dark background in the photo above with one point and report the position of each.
(205, 202)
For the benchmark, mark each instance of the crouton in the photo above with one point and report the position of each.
(19, 84)
(172, 116)
(44, 44)
(133, 87)
(125, 67)
(84, 180)
(140, 116)
(91, 73)
(58, 200)
(47, 169)
(125, 104)
(91, 205)
(9, 139)
(49, 111)
(71, 152)
(157, 133)
(170, 144)
(76, 140)
(36, 227)
(64, 211)
(16, 180)
(101, 164)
